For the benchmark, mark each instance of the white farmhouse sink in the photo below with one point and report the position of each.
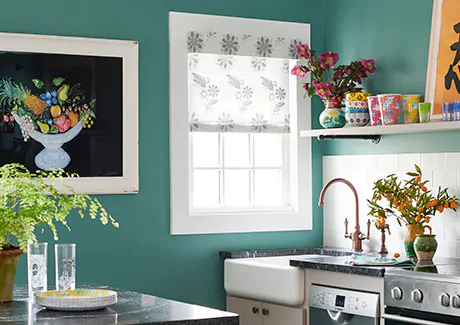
(269, 279)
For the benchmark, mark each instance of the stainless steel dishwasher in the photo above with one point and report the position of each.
(336, 306)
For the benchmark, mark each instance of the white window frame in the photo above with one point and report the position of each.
(182, 222)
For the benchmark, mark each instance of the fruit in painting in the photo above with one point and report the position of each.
(13, 93)
(73, 117)
(62, 94)
(44, 127)
(55, 111)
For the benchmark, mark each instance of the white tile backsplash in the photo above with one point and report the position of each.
(441, 169)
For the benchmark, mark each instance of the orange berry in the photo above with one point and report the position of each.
(427, 219)
(396, 255)
(382, 220)
(421, 210)
(380, 197)
(400, 207)
(417, 179)
(396, 201)
(424, 189)
(452, 205)
(446, 205)
(441, 208)
(418, 218)
(388, 197)
(435, 202)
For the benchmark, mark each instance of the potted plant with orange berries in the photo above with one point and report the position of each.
(412, 203)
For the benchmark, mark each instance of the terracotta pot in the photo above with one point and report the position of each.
(332, 116)
(411, 234)
(8, 264)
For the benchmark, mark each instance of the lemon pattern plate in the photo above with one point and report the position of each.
(76, 300)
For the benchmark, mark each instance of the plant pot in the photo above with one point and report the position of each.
(412, 231)
(425, 246)
(426, 266)
(53, 156)
(357, 113)
(8, 264)
(332, 116)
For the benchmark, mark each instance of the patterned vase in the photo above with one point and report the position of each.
(357, 113)
(425, 247)
(411, 233)
(331, 116)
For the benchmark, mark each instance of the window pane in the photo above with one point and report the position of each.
(206, 188)
(236, 149)
(205, 149)
(268, 187)
(267, 150)
(237, 187)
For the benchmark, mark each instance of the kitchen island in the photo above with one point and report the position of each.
(132, 308)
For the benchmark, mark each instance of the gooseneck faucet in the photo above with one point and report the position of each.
(357, 236)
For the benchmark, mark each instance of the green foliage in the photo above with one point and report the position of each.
(58, 81)
(28, 200)
(38, 83)
(409, 201)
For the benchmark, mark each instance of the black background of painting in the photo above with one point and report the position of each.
(96, 151)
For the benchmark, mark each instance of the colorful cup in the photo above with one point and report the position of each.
(374, 109)
(356, 113)
(424, 111)
(456, 111)
(358, 96)
(389, 108)
(447, 112)
(409, 106)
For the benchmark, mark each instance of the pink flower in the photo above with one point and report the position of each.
(348, 69)
(337, 75)
(62, 123)
(303, 50)
(369, 65)
(357, 80)
(328, 59)
(306, 86)
(337, 100)
(6, 118)
(300, 71)
(323, 90)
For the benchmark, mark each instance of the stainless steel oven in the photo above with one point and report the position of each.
(336, 306)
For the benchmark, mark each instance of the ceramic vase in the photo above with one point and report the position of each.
(8, 264)
(425, 246)
(412, 230)
(389, 108)
(332, 116)
(357, 113)
(426, 266)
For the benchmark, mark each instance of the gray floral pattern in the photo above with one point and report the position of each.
(225, 122)
(277, 94)
(259, 124)
(258, 64)
(286, 66)
(293, 49)
(230, 44)
(193, 60)
(193, 122)
(209, 91)
(225, 61)
(194, 42)
(264, 47)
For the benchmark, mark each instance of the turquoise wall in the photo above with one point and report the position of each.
(396, 33)
(142, 255)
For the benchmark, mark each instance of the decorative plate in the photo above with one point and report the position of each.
(76, 300)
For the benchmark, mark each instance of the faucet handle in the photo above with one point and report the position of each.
(347, 235)
(368, 229)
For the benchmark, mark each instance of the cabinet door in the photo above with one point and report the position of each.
(250, 311)
(276, 315)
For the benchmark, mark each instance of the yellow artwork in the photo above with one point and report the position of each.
(445, 42)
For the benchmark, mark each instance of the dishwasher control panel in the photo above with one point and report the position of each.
(343, 300)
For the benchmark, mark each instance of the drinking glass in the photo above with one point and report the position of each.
(36, 267)
(65, 266)
(424, 112)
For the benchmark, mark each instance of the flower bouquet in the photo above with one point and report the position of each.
(331, 82)
(52, 116)
(410, 202)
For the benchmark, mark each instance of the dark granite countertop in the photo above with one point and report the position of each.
(285, 252)
(132, 308)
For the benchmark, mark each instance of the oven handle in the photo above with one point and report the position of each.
(410, 320)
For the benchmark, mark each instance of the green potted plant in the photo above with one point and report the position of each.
(29, 200)
(412, 203)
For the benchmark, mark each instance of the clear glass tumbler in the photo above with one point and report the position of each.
(36, 267)
(65, 266)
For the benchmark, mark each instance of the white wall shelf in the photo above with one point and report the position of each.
(374, 132)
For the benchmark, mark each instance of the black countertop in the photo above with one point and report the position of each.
(132, 308)
(332, 259)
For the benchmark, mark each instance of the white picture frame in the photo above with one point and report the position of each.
(128, 51)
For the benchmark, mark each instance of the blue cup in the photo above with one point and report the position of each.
(447, 111)
(456, 111)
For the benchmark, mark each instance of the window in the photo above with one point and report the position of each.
(237, 163)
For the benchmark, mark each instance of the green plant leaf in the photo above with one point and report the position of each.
(58, 81)
(38, 83)
(417, 168)
(92, 104)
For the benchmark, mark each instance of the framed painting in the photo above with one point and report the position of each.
(443, 75)
(71, 103)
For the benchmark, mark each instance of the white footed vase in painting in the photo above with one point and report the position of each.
(52, 156)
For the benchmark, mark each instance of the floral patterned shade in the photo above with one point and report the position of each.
(239, 83)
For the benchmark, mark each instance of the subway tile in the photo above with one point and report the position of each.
(388, 163)
(406, 162)
(444, 178)
(432, 161)
(453, 160)
(447, 248)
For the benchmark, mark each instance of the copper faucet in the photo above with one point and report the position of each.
(357, 236)
(382, 228)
